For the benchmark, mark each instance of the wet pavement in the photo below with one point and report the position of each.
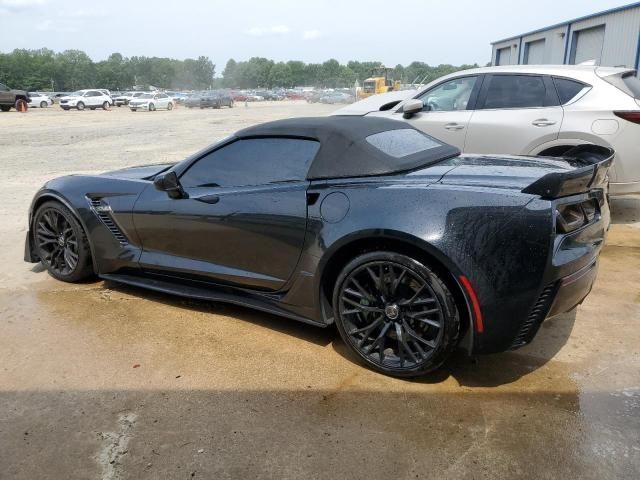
(101, 381)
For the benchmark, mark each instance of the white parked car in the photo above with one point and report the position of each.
(89, 98)
(125, 98)
(151, 102)
(529, 110)
(40, 100)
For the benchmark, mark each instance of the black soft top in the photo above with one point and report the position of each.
(347, 145)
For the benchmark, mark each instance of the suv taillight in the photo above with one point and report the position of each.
(571, 216)
(630, 116)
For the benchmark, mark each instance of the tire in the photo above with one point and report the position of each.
(106, 106)
(231, 104)
(134, 109)
(409, 333)
(43, 104)
(152, 107)
(5, 108)
(80, 106)
(61, 243)
(170, 106)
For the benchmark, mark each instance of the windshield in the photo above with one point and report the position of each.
(146, 95)
(79, 93)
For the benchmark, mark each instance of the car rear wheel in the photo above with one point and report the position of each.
(80, 106)
(106, 106)
(152, 107)
(396, 314)
(170, 106)
(61, 243)
(5, 108)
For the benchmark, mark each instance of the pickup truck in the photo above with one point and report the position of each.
(10, 97)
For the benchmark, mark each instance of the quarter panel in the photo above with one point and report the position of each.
(490, 235)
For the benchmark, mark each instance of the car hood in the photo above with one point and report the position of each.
(70, 97)
(140, 172)
(374, 102)
(504, 171)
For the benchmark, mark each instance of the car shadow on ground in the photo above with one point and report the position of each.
(500, 368)
(477, 371)
(302, 331)
(625, 209)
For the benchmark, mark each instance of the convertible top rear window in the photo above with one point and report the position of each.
(402, 142)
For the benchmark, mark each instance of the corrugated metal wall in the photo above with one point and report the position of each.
(620, 42)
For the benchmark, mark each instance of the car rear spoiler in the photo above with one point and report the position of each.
(592, 163)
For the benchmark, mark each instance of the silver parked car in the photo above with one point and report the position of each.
(529, 110)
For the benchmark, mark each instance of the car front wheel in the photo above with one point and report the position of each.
(396, 314)
(61, 243)
(80, 106)
(106, 106)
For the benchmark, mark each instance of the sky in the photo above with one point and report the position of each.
(391, 31)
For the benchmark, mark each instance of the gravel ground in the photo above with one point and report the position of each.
(102, 381)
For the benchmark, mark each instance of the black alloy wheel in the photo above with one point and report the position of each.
(396, 314)
(61, 244)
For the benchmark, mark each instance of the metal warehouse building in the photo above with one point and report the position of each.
(611, 38)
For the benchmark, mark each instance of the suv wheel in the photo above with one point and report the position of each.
(80, 106)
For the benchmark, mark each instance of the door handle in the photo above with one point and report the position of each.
(210, 199)
(453, 126)
(543, 122)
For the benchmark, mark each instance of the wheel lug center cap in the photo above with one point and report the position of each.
(392, 311)
(61, 241)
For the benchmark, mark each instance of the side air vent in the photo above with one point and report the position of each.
(538, 313)
(103, 211)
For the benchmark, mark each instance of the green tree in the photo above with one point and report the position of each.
(280, 75)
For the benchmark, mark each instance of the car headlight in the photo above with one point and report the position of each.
(572, 216)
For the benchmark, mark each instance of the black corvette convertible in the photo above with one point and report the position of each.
(409, 247)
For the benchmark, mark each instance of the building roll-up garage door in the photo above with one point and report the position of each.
(587, 45)
(534, 52)
(503, 56)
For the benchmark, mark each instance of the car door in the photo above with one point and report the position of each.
(447, 109)
(514, 114)
(5, 95)
(242, 220)
(92, 98)
(163, 100)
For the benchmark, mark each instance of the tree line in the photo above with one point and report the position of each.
(44, 69)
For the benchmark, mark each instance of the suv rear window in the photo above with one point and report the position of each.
(567, 89)
(627, 82)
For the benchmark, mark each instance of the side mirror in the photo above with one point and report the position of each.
(169, 182)
(411, 107)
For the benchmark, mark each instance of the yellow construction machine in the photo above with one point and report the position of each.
(378, 82)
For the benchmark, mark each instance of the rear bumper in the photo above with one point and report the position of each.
(573, 289)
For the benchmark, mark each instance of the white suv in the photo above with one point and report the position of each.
(530, 110)
(86, 99)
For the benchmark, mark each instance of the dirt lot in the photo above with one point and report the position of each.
(102, 381)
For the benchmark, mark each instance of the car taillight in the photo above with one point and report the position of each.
(630, 116)
(571, 216)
